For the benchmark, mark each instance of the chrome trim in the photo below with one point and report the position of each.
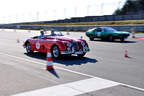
(70, 52)
(66, 52)
(75, 46)
(75, 49)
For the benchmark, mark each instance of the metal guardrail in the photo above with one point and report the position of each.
(74, 28)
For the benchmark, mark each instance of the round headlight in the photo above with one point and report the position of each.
(82, 43)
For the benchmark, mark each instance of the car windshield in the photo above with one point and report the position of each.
(53, 33)
(91, 29)
(109, 29)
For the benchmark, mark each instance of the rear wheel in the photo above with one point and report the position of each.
(28, 48)
(55, 52)
(110, 38)
(91, 38)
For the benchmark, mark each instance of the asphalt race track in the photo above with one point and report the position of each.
(104, 71)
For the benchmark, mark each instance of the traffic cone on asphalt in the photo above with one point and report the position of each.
(18, 41)
(126, 53)
(49, 63)
(68, 33)
(133, 34)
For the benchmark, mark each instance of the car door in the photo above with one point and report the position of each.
(105, 33)
(94, 33)
(98, 32)
(33, 43)
(36, 44)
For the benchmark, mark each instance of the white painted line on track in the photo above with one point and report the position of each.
(31, 71)
(73, 88)
(133, 87)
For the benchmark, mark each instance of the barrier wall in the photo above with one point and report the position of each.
(75, 28)
(91, 19)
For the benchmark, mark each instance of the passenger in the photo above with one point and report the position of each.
(99, 30)
(52, 33)
(42, 34)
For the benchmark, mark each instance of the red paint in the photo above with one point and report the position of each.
(126, 53)
(49, 68)
(49, 58)
(140, 38)
(47, 42)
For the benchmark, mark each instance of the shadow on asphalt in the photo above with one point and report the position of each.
(74, 60)
(65, 60)
(37, 55)
(54, 73)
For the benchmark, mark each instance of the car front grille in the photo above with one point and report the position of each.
(75, 46)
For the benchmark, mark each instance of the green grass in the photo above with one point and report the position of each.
(124, 22)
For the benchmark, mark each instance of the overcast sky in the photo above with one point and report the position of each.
(40, 10)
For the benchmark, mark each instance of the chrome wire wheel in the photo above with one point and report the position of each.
(55, 52)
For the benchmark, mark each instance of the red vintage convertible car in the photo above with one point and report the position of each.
(57, 44)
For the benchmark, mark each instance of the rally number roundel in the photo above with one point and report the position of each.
(37, 45)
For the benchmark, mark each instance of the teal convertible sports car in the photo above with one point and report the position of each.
(106, 33)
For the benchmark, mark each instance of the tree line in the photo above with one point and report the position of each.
(131, 7)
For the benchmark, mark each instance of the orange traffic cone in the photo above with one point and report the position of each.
(49, 63)
(68, 33)
(18, 41)
(126, 53)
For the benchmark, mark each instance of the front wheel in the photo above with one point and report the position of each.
(81, 55)
(122, 39)
(55, 52)
(91, 38)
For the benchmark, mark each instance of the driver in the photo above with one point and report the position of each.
(52, 33)
(42, 34)
(99, 29)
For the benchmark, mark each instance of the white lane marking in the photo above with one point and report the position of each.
(43, 64)
(137, 88)
(73, 88)
(33, 72)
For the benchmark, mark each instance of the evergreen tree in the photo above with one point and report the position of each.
(131, 7)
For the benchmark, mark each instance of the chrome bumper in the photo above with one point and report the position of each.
(75, 52)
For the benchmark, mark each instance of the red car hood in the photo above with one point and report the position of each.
(63, 38)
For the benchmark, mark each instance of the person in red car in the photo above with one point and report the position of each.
(52, 32)
(42, 34)
(57, 43)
